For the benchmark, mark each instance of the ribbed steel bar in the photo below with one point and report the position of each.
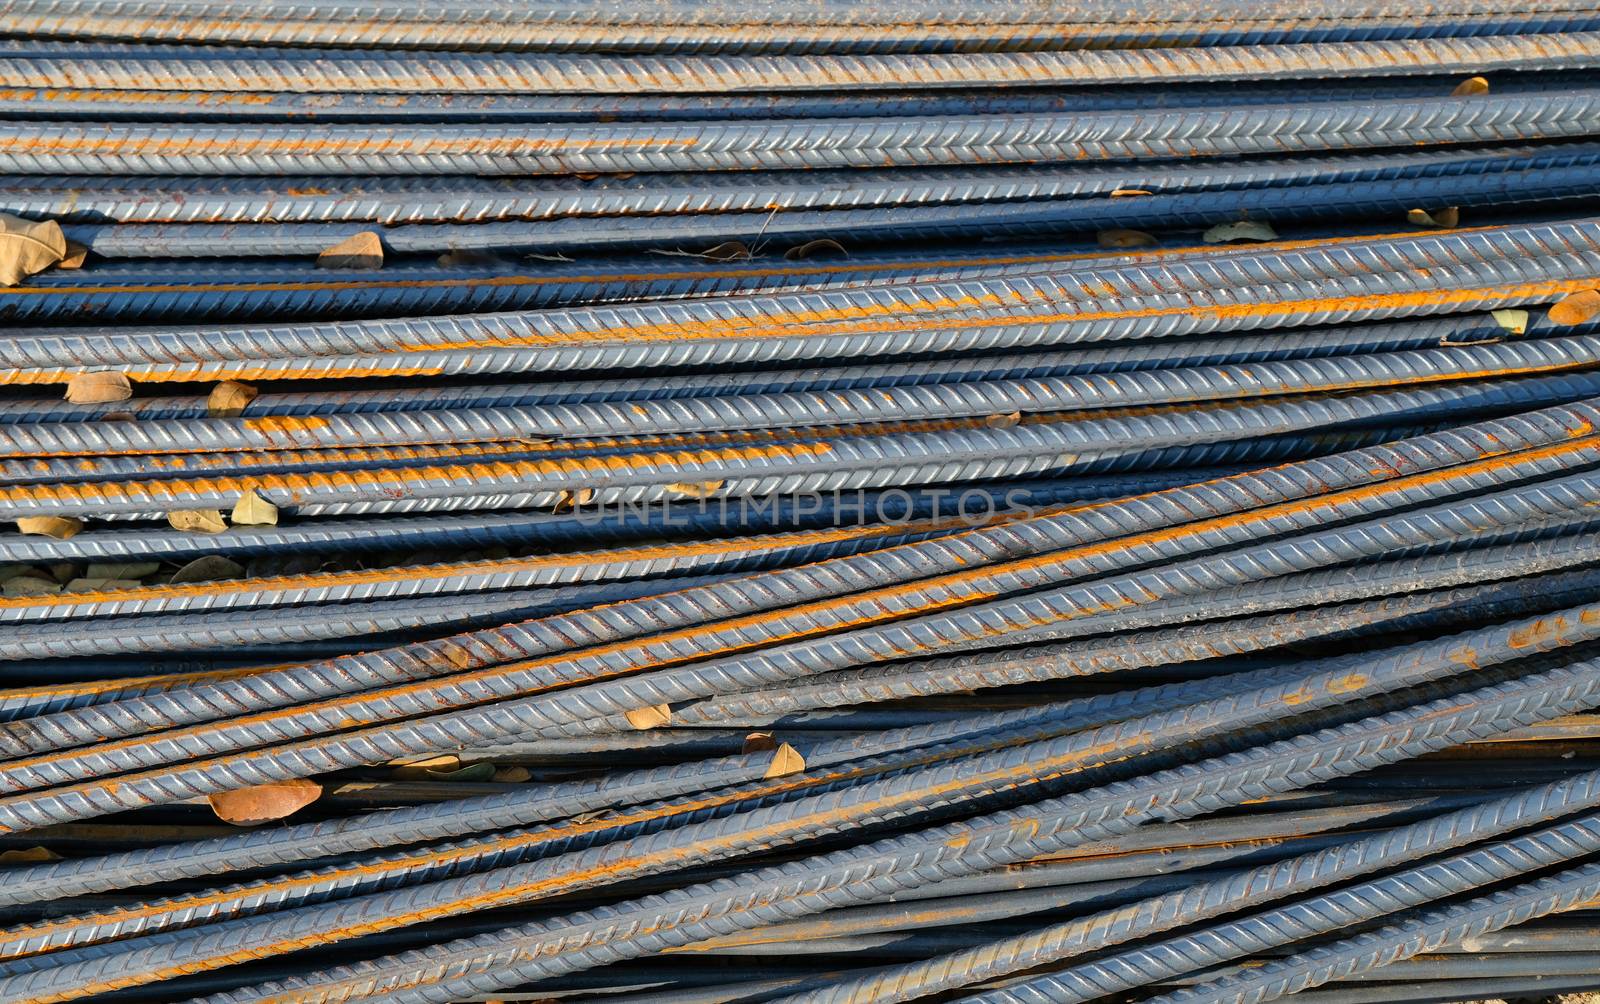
(94, 199)
(594, 74)
(813, 407)
(553, 711)
(977, 548)
(181, 148)
(580, 941)
(1237, 290)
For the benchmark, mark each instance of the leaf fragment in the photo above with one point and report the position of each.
(208, 568)
(100, 387)
(253, 510)
(1470, 87)
(1118, 238)
(1576, 308)
(1240, 232)
(1514, 321)
(695, 489)
(35, 855)
(229, 399)
(264, 802)
(1008, 420)
(652, 717)
(30, 585)
(822, 247)
(513, 774)
(58, 527)
(1443, 219)
(196, 520)
(1124, 193)
(759, 742)
(28, 248)
(86, 584)
(121, 569)
(786, 760)
(728, 251)
(363, 250)
(76, 255)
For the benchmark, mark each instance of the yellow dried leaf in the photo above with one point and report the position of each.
(229, 399)
(1007, 421)
(59, 527)
(24, 586)
(1244, 231)
(253, 510)
(363, 250)
(786, 760)
(1470, 87)
(99, 388)
(1514, 321)
(196, 520)
(1442, 218)
(822, 247)
(728, 251)
(28, 248)
(1123, 193)
(1125, 239)
(29, 856)
(98, 585)
(513, 775)
(653, 717)
(1576, 308)
(434, 761)
(695, 489)
(264, 802)
(121, 569)
(570, 499)
(77, 254)
(759, 742)
(208, 568)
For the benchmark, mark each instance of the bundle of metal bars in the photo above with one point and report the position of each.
(821, 503)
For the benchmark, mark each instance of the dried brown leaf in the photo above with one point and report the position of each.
(253, 510)
(695, 489)
(1118, 238)
(59, 527)
(759, 742)
(652, 717)
(196, 520)
(264, 802)
(1441, 218)
(1007, 421)
(87, 584)
(363, 250)
(1242, 232)
(1470, 87)
(728, 251)
(786, 760)
(99, 388)
(121, 569)
(30, 585)
(229, 399)
(434, 761)
(35, 855)
(1514, 321)
(1576, 308)
(208, 568)
(28, 248)
(572, 498)
(822, 247)
(513, 774)
(76, 255)
(1123, 193)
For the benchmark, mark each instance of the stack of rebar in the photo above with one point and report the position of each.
(820, 502)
